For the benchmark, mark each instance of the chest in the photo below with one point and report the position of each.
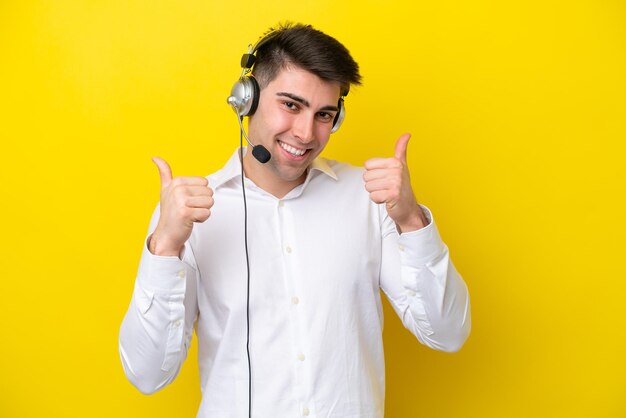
(327, 249)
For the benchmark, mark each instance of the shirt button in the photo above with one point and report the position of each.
(177, 324)
(301, 357)
(401, 247)
(181, 274)
(305, 412)
(410, 293)
(288, 249)
(295, 300)
(281, 203)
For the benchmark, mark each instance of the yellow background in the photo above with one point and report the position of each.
(517, 110)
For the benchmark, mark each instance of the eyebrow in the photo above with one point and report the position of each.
(305, 102)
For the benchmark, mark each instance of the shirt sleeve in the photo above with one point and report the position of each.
(156, 331)
(423, 286)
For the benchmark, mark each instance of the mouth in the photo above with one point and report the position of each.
(292, 151)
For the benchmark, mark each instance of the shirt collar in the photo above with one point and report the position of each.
(232, 169)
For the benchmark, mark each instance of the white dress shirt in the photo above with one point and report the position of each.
(318, 260)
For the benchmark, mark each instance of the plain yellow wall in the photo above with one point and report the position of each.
(517, 111)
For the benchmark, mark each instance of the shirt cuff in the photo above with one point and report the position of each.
(420, 247)
(161, 273)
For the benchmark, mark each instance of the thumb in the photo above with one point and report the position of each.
(401, 146)
(164, 171)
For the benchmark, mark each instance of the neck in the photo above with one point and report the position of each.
(267, 178)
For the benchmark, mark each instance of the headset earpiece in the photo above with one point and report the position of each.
(244, 96)
(341, 114)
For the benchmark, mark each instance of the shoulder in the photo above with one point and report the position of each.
(230, 171)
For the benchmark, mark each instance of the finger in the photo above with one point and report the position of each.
(165, 172)
(379, 196)
(200, 214)
(199, 202)
(378, 173)
(401, 146)
(379, 184)
(197, 191)
(183, 192)
(375, 163)
(190, 214)
(190, 181)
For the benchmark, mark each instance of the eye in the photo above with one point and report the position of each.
(325, 116)
(291, 105)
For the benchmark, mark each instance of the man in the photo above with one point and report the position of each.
(323, 239)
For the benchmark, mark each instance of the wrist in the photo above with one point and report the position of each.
(159, 246)
(416, 221)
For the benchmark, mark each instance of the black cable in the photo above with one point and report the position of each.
(245, 240)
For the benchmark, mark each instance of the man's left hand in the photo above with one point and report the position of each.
(387, 181)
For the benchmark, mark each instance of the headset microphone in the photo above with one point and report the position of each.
(261, 154)
(258, 151)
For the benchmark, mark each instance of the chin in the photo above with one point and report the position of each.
(289, 175)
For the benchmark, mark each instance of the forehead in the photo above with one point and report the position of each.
(305, 84)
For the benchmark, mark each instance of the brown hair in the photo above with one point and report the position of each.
(307, 48)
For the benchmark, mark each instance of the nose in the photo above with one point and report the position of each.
(302, 128)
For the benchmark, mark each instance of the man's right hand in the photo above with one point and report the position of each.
(184, 200)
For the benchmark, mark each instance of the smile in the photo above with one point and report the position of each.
(291, 150)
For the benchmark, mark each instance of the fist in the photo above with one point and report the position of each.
(387, 180)
(184, 201)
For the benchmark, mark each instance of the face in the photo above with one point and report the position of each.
(293, 121)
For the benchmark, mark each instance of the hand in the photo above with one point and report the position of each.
(387, 180)
(184, 200)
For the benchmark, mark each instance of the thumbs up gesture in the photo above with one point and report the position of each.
(387, 181)
(184, 200)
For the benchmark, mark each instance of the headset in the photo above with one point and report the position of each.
(244, 96)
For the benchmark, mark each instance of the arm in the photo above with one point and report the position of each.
(424, 288)
(416, 274)
(157, 329)
(156, 332)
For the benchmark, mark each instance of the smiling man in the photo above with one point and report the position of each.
(299, 331)
(293, 121)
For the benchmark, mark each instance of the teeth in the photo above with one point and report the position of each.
(291, 150)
